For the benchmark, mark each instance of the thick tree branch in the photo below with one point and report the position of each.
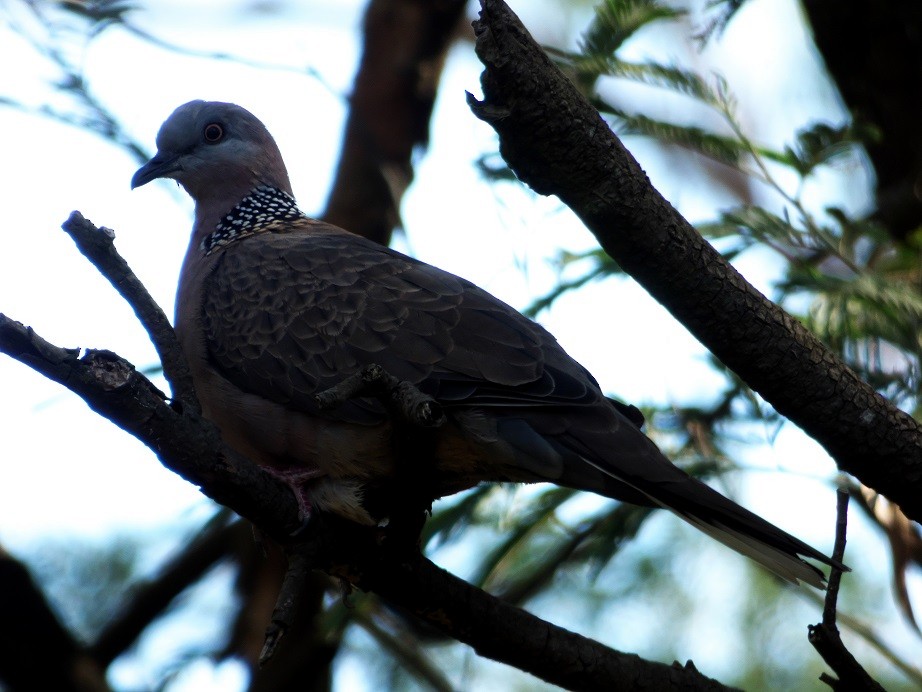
(494, 628)
(556, 142)
(185, 442)
(191, 446)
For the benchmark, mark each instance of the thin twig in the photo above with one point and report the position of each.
(873, 639)
(825, 636)
(838, 553)
(222, 56)
(150, 599)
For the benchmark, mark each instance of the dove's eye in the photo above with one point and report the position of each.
(213, 133)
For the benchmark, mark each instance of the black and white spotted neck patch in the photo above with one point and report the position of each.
(259, 209)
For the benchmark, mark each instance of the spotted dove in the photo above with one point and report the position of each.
(274, 307)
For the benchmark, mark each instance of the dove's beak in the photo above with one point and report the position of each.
(163, 165)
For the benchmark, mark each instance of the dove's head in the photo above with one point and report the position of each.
(218, 152)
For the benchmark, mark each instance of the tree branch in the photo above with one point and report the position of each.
(557, 143)
(496, 629)
(186, 443)
(98, 246)
(191, 446)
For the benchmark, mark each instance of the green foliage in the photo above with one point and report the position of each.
(723, 12)
(675, 79)
(617, 20)
(601, 266)
(723, 149)
(820, 144)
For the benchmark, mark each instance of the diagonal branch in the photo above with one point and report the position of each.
(492, 627)
(556, 142)
(191, 446)
(98, 246)
(186, 443)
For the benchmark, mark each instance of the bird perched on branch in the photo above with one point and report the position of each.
(274, 307)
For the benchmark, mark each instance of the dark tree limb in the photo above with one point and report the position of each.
(405, 43)
(185, 443)
(304, 660)
(191, 446)
(493, 628)
(36, 651)
(871, 51)
(557, 143)
(825, 636)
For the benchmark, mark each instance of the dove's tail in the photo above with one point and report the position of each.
(733, 525)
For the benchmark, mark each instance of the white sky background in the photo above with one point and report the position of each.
(66, 472)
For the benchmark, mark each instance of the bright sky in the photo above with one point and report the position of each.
(65, 471)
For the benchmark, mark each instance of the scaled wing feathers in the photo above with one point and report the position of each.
(349, 302)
